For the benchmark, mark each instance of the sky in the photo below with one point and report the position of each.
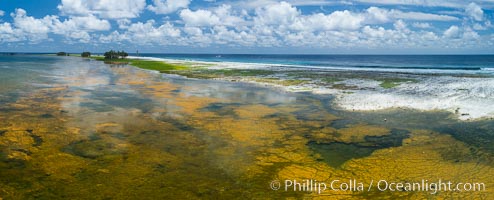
(255, 26)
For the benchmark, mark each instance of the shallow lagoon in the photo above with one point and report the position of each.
(77, 128)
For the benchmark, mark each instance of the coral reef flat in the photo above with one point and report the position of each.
(84, 129)
(466, 94)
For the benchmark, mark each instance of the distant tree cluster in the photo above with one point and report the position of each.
(86, 54)
(115, 54)
(62, 54)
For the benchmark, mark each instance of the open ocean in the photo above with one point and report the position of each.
(460, 63)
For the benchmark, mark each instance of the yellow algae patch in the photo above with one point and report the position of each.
(127, 153)
(140, 161)
(315, 171)
(18, 155)
(161, 86)
(135, 82)
(318, 173)
(190, 104)
(17, 139)
(160, 89)
(108, 127)
(325, 135)
(57, 88)
(424, 159)
(56, 139)
(17, 144)
(247, 132)
(132, 76)
(357, 133)
(268, 140)
(288, 109)
(59, 165)
(19, 106)
(292, 150)
(254, 111)
(249, 139)
(37, 134)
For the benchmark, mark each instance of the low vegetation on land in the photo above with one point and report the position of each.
(259, 75)
(120, 57)
(394, 82)
(115, 54)
(86, 54)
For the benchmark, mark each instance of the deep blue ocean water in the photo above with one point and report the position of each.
(411, 62)
(408, 63)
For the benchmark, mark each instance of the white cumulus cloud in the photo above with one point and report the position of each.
(452, 32)
(82, 23)
(422, 25)
(168, 6)
(103, 8)
(30, 24)
(30, 28)
(145, 33)
(199, 18)
(25, 27)
(384, 15)
(284, 16)
(377, 15)
(431, 3)
(282, 13)
(338, 20)
(421, 16)
(222, 15)
(475, 11)
(8, 34)
(269, 24)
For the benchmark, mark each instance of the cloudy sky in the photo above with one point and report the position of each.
(256, 26)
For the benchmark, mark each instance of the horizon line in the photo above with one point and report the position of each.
(315, 54)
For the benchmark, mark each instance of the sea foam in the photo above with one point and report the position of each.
(467, 98)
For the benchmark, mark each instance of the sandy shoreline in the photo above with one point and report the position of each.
(466, 97)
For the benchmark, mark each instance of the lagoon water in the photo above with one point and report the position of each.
(73, 128)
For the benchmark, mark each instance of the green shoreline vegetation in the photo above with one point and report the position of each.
(267, 76)
(388, 83)
(144, 64)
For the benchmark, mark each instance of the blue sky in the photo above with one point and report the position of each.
(258, 26)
